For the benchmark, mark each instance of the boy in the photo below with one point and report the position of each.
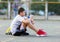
(19, 24)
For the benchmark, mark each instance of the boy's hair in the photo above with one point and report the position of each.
(21, 10)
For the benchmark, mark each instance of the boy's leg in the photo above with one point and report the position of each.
(31, 26)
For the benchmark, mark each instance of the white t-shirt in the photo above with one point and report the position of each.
(16, 22)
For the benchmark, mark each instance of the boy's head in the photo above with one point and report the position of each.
(21, 11)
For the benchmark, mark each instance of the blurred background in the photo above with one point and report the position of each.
(41, 9)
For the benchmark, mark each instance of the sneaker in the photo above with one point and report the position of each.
(24, 34)
(41, 33)
(9, 33)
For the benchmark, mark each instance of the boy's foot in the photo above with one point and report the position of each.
(41, 33)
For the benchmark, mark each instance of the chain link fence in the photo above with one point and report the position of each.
(54, 10)
(40, 10)
(46, 10)
(8, 10)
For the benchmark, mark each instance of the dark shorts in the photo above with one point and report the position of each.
(22, 32)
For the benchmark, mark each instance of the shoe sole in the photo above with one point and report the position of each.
(41, 35)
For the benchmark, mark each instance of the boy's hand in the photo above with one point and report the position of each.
(32, 21)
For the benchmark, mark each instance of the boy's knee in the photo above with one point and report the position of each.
(26, 21)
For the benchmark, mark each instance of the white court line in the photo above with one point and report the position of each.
(7, 40)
